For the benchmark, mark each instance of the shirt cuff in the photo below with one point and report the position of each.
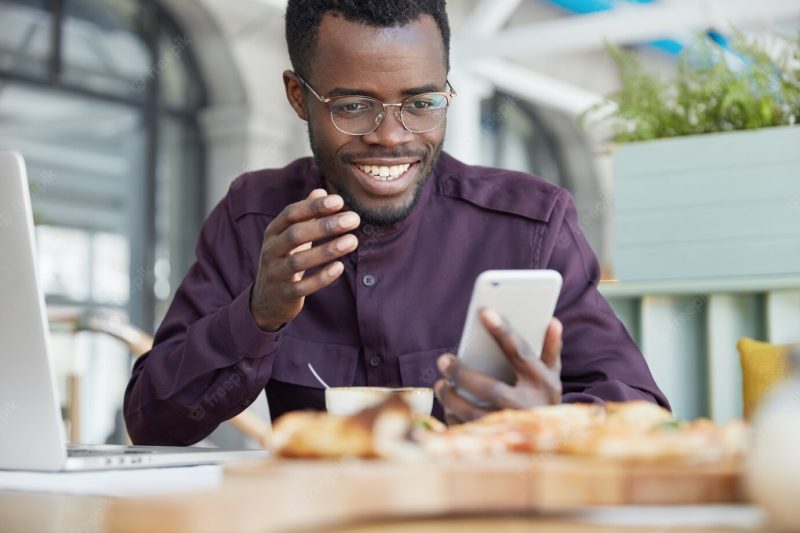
(248, 339)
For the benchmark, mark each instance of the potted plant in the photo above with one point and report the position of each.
(707, 182)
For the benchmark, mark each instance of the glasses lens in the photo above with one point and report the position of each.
(424, 112)
(355, 115)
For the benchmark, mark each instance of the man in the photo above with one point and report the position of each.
(361, 260)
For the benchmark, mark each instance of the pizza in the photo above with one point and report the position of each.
(538, 430)
(636, 430)
(700, 440)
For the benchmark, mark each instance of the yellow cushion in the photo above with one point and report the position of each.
(763, 365)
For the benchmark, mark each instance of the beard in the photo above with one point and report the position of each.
(383, 216)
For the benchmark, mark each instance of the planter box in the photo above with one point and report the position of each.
(707, 206)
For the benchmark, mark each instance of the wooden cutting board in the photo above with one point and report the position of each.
(539, 482)
(285, 494)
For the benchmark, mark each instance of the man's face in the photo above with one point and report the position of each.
(389, 64)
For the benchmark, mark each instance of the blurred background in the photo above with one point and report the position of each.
(135, 115)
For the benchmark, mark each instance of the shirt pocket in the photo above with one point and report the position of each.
(335, 363)
(418, 369)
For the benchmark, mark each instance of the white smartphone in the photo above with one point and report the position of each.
(525, 298)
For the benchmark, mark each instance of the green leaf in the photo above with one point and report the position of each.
(707, 94)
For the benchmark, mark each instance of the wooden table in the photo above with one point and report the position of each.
(499, 497)
(44, 513)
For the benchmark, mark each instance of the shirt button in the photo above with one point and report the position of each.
(368, 280)
(375, 360)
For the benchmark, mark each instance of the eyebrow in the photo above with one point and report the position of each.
(411, 91)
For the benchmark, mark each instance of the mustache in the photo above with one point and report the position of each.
(398, 154)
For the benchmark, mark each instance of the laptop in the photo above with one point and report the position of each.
(31, 430)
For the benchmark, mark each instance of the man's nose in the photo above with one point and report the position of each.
(390, 131)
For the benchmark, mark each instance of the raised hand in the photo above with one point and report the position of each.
(287, 252)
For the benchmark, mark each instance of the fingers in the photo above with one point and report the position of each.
(317, 204)
(456, 406)
(551, 351)
(287, 251)
(297, 276)
(522, 358)
(308, 231)
(538, 380)
(290, 291)
(515, 349)
(316, 217)
(488, 390)
(317, 193)
(310, 257)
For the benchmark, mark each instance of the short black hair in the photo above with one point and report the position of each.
(303, 18)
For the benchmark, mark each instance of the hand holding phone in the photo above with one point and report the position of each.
(509, 325)
(525, 298)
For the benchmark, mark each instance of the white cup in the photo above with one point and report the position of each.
(346, 401)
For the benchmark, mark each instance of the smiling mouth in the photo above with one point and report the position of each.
(385, 173)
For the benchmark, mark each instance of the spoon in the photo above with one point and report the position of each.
(322, 381)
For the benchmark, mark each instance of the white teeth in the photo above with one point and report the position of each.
(385, 173)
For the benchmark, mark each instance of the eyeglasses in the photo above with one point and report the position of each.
(360, 115)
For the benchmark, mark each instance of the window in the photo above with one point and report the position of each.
(101, 97)
(518, 135)
(514, 137)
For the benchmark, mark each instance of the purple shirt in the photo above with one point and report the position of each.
(400, 303)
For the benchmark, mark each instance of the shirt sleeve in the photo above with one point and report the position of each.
(209, 360)
(600, 362)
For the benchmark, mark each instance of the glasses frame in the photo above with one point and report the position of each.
(449, 95)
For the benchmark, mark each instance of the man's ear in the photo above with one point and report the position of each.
(295, 93)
